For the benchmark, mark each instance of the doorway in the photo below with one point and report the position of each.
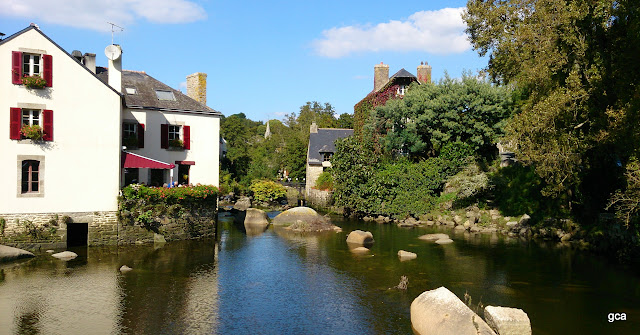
(77, 234)
(183, 174)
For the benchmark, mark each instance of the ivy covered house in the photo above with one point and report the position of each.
(385, 88)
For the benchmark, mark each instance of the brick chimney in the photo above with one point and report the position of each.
(314, 128)
(380, 76)
(424, 73)
(197, 87)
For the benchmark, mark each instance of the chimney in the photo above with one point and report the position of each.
(314, 128)
(197, 87)
(380, 76)
(424, 73)
(89, 61)
(115, 71)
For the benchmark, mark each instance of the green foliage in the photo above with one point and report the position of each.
(574, 66)
(176, 143)
(627, 201)
(142, 206)
(34, 81)
(266, 190)
(32, 132)
(3, 225)
(429, 116)
(469, 182)
(324, 181)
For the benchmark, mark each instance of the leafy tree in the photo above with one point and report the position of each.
(344, 121)
(574, 65)
(467, 110)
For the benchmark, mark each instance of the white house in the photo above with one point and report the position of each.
(168, 136)
(78, 166)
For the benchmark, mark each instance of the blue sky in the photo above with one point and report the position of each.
(264, 59)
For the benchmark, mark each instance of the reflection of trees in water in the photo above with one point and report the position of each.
(28, 319)
(157, 296)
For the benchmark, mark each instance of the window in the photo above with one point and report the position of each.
(175, 136)
(32, 63)
(326, 156)
(30, 176)
(131, 90)
(174, 132)
(402, 89)
(165, 95)
(133, 135)
(20, 117)
(30, 117)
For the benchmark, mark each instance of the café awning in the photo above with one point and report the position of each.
(131, 160)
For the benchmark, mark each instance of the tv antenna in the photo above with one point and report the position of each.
(113, 29)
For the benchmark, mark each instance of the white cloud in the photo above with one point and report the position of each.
(439, 32)
(95, 14)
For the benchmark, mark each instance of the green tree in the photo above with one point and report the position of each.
(344, 121)
(574, 65)
(429, 116)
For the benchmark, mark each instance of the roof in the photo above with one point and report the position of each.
(324, 141)
(146, 98)
(403, 74)
(35, 27)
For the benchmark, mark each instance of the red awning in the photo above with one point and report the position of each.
(130, 160)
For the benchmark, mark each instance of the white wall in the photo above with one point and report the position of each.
(82, 163)
(205, 140)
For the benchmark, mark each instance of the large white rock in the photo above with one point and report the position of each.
(440, 312)
(65, 255)
(406, 255)
(359, 237)
(292, 215)
(507, 321)
(444, 241)
(256, 217)
(8, 253)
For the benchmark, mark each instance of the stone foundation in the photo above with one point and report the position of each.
(319, 198)
(41, 231)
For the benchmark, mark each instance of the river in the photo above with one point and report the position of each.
(286, 283)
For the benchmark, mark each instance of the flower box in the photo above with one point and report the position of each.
(34, 81)
(32, 132)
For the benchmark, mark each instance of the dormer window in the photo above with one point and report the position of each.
(326, 156)
(402, 89)
(131, 90)
(165, 95)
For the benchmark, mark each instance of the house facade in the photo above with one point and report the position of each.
(169, 137)
(319, 152)
(71, 135)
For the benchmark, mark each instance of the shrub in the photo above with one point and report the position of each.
(32, 132)
(176, 143)
(325, 181)
(469, 182)
(34, 81)
(266, 190)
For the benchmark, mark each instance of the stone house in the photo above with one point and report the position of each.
(319, 152)
(385, 87)
(62, 144)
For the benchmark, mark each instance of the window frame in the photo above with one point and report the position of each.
(40, 176)
(31, 117)
(176, 133)
(30, 64)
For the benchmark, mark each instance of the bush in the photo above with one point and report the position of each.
(325, 181)
(266, 190)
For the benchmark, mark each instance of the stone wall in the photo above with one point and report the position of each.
(318, 197)
(313, 172)
(49, 230)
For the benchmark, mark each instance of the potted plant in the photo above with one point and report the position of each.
(176, 143)
(34, 81)
(32, 132)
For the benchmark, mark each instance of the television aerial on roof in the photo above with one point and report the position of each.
(113, 29)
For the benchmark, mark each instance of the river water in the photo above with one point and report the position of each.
(274, 282)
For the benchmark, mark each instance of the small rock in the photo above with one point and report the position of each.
(360, 237)
(444, 241)
(460, 228)
(406, 255)
(474, 229)
(359, 250)
(337, 229)
(511, 224)
(50, 251)
(524, 220)
(125, 268)
(433, 237)
(65, 255)
(565, 237)
(507, 321)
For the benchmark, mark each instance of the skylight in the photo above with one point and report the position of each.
(165, 95)
(131, 90)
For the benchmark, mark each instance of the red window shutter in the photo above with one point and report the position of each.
(47, 122)
(47, 73)
(164, 136)
(15, 123)
(16, 67)
(141, 135)
(186, 133)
